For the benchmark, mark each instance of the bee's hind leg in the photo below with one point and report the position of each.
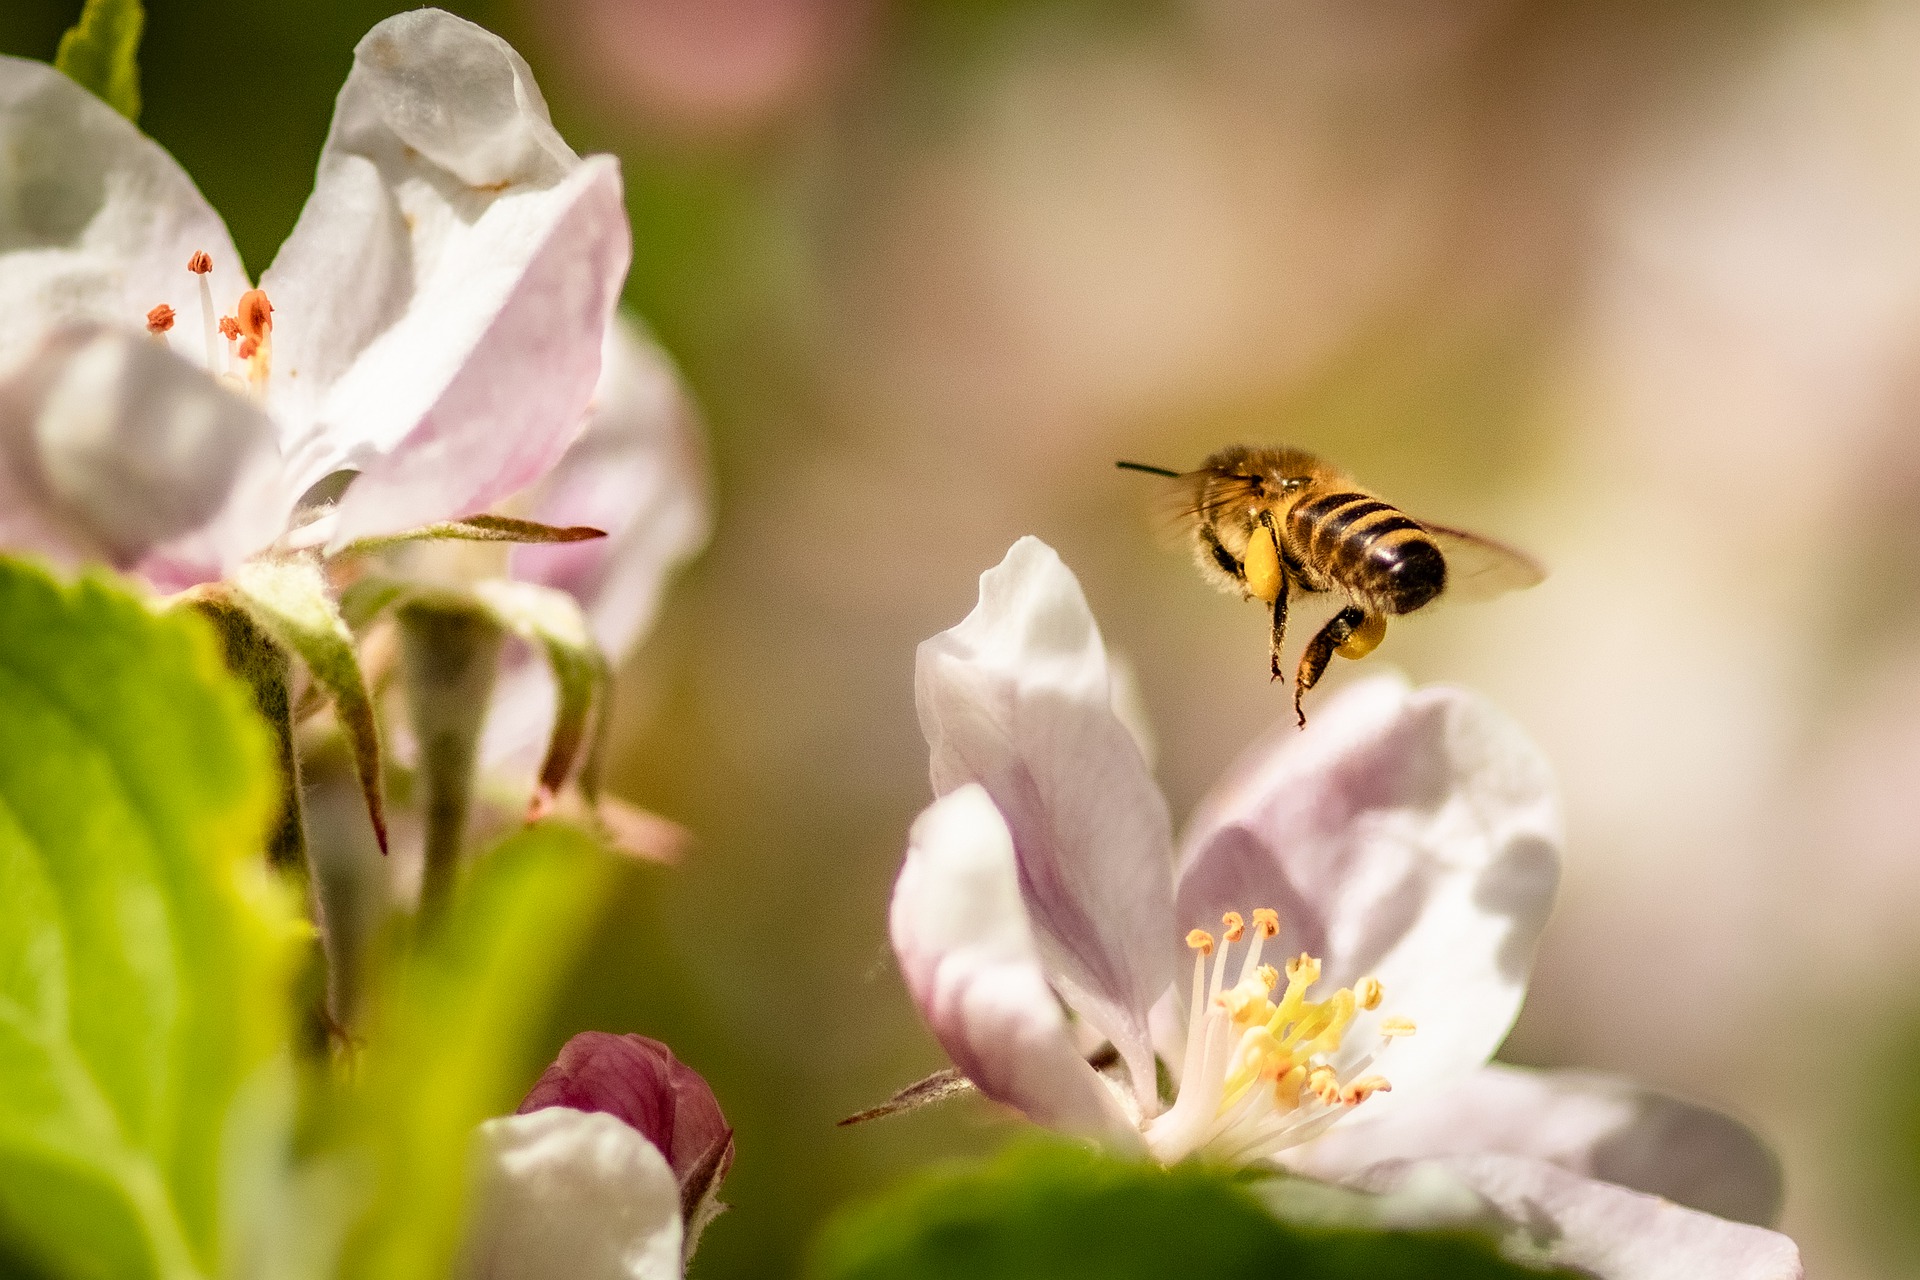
(1320, 651)
(1279, 635)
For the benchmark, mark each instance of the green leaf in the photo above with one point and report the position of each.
(454, 1039)
(1065, 1213)
(101, 52)
(477, 529)
(145, 950)
(552, 620)
(289, 598)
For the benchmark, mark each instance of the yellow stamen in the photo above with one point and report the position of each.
(1236, 928)
(1391, 1027)
(1200, 940)
(1369, 992)
(1267, 921)
(1268, 975)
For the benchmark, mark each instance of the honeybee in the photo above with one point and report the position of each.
(1269, 522)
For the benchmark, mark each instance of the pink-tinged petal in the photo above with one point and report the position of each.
(442, 299)
(1561, 1219)
(560, 1194)
(1600, 1126)
(639, 1080)
(1018, 698)
(120, 451)
(1411, 835)
(97, 221)
(970, 961)
(638, 472)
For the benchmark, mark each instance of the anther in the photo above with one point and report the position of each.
(1236, 927)
(200, 263)
(1200, 940)
(254, 313)
(1303, 969)
(1267, 921)
(1360, 1090)
(159, 320)
(1391, 1027)
(1369, 992)
(1324, 1084)
(1268, 975)
(229, 328)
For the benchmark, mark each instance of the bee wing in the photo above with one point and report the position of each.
(1480, 568)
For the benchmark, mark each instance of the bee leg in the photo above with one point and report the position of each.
(1222, 556)
(1279, 624)
(1320, 650)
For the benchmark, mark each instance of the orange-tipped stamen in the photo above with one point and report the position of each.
(159, 321)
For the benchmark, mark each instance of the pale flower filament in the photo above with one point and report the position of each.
(1262, 1074)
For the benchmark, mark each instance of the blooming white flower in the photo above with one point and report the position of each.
(434, 323)
(1402, 850)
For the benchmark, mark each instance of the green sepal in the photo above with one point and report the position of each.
(476, 529)
(290, 599)
(145, 950)
(551, 620)
(101, 53)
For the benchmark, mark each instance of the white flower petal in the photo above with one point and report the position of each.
(1410, 835)
(1601, 1126)
(1562, 1219)
(1018, 698)
(559, 1194)
(969, 959)
(442, 299)
(138, 457)
(97, 221)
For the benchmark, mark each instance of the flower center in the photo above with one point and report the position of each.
(248, 331)
(1261, 1074)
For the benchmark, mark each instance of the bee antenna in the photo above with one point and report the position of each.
(1152, 471)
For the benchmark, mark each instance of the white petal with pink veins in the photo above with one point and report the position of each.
(971, 964)
(560, 1194)
(1610, 1232)
(1018, 698)
(1411, 836)
(1600, 1126)
(97, 221)
(442, 300)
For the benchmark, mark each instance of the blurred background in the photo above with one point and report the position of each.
(1634, 285)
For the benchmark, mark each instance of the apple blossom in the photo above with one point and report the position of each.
(1395, 861)
(433, 325)
(608, 1171)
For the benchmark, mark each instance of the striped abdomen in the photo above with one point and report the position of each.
(1368, 548)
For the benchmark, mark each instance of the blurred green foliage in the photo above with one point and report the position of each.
(144, 956)
(1052, 1211)
(454, 1031)
(102, 52)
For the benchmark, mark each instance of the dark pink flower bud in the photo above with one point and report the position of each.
(638, 1080)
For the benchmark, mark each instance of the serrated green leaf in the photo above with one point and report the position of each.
(551, 620)
(144, 948)
(1057, 1212)
(477, 529)
(101, 52)
(453, 1040)
(290, 599)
